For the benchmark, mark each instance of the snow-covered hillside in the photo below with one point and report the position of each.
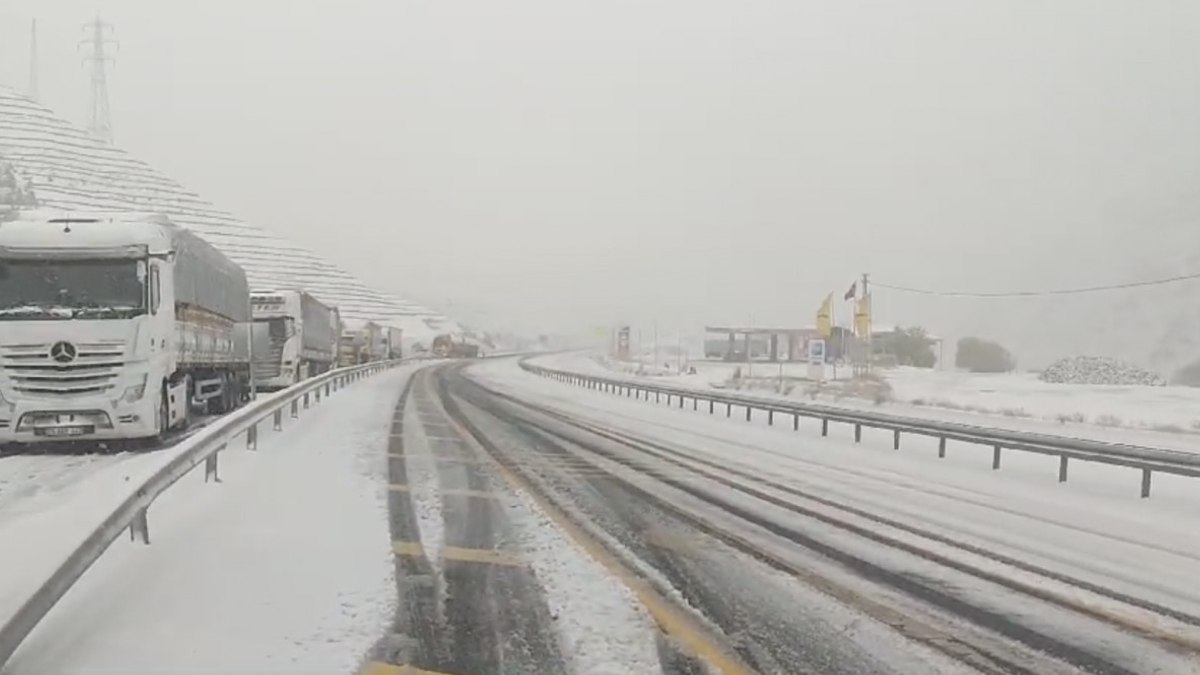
(68, 169)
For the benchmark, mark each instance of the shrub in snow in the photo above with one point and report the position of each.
(909, 347)
(983, 356)
(1098, 370)
(1188, 376)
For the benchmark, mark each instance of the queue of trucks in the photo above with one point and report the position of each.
(126, 326)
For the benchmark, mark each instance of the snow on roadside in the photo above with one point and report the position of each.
(1166, 417)
(50, 503)
(426, 494)
(604, 630)
(285, 565)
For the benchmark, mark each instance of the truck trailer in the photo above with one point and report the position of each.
(115, 326)
(393, 343)
(295, 336)
(446, 346)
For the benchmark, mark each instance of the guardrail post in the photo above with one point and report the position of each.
(326, 390)
(656, 399)
(895, 439)
(695, 403)
(681, 401)
(140, 527)
(279, 420)
(210, 466)
(711, 406)
(1145, 483)
(668, 399)
(252, 437)
(941, 446)
(306, 400)
(295, 408)
(770, 418)
(857, 433)
(796, 422)
(995, 457)
(729, 410)
(824, 426)
(317, 395)
(1062, 468)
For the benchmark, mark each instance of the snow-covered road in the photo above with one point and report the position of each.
(1027, 567)
(284, 566)
(476, 518)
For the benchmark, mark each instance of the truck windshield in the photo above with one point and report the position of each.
(279, 328)
(72, 289)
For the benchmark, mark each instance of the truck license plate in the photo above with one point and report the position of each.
(64, 431)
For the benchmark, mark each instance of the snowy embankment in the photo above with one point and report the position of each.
(284, 565)
(1167, 417)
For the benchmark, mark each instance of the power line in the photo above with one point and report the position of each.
(1059, 291)
(98, 40)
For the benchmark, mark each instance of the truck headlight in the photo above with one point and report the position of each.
(136, 392)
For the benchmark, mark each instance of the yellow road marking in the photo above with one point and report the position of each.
(414, 549)
(482, 555)
(457, 460)
(378, 668)
(684, 628)
(411, 549)
(477, 494)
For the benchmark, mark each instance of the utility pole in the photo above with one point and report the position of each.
(33, 62)
(100, 118)
(655, 360)
(866, 279)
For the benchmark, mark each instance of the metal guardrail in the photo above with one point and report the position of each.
(131, 514)
(1146, 459)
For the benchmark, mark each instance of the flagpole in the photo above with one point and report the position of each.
(833, 321)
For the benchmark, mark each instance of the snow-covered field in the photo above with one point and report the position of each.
(1166, 417)
(283, 566)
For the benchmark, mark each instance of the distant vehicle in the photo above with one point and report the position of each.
(361, 342)
(445, 346)
(116, 326)
(393, 343)
(295, 336)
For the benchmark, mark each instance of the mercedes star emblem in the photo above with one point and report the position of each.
(63, 352)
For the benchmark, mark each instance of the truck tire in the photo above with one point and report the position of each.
(162, 421)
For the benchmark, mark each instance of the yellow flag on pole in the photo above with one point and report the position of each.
(825, 317)
(862, 316)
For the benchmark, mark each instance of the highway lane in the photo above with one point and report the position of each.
(768, 575)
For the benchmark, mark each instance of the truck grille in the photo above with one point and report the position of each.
(269, 365)
(32, 370)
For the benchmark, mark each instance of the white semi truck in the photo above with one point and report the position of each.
(295, 336)
(115, 326)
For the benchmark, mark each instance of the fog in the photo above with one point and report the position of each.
(554, 165)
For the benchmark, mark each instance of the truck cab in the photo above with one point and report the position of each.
(276, 340)
(90, 343)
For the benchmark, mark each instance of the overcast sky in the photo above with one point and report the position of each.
(575, 163)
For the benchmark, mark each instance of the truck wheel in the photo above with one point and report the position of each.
(163, 423)
(188, 393)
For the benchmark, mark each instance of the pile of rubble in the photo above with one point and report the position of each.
(1098, 370)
